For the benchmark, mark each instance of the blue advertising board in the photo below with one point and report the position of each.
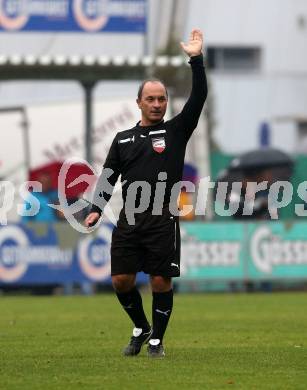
(39, 253)
(127, 16)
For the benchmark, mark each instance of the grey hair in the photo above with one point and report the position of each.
(152, 80)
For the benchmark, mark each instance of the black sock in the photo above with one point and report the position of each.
(131, 301)
(162, 305)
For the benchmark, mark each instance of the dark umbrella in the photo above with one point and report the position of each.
(229, 175)
(261, 158)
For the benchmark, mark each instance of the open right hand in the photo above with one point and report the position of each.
(91, 219)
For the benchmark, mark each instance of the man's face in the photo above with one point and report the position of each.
(153, 102)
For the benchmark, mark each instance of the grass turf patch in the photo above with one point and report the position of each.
(256, 341)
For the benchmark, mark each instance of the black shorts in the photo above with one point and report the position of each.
(152, 245)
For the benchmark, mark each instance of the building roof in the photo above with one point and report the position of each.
(82, 68)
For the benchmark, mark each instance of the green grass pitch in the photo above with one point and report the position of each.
(239, 341)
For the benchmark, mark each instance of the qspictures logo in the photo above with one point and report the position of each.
(140, 194)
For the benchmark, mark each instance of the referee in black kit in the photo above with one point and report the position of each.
(148, 238)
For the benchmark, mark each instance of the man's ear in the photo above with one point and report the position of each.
(138, 102)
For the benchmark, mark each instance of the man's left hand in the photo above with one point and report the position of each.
(195, 44)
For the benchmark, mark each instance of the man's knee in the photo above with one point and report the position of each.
(160, 283)
(123, 283)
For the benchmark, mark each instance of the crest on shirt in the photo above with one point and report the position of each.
(158, 144)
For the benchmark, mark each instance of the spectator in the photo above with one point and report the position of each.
(186, 200)
(46, 196)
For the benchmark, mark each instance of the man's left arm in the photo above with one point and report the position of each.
(193, 107)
